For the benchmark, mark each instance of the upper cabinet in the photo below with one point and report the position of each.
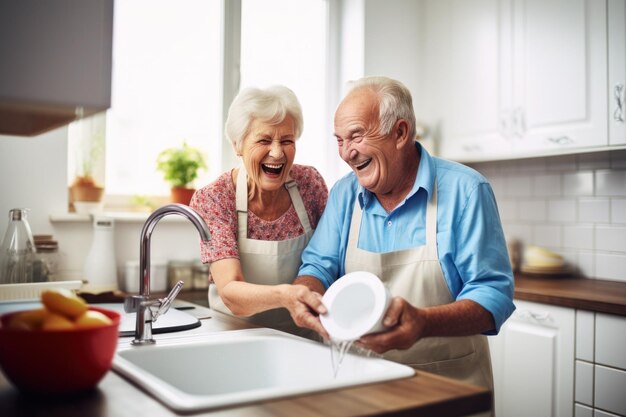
(56, 62)
(617, 71)
(517, 78)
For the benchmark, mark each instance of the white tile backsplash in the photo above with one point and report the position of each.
(594, 210)
(547, 236)
(618, 211)
(578, 237)
(562, 210)
(611, 183)
(578, 184)
(533, 210)
(548, 185)
(609, 266)
(611, 238)
(586, 264)
(572, 204)
(519, 185)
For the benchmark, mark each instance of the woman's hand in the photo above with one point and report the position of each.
(305, 307)
(405, 324)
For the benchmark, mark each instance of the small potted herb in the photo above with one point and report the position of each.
(180, 167)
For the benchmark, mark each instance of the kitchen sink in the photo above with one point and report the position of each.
(242, 366)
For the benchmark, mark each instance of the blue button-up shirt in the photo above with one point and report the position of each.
(470, 241)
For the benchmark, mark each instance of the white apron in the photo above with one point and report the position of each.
(416, 275)
(267, 262)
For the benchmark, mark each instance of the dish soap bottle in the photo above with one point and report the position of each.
(18, 250)
(101, 265)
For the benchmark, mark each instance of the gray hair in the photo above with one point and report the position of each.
(270, 105)
(395, 101)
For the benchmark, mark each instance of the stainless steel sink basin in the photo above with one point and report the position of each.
(230, 368)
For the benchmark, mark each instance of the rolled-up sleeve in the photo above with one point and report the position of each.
(480, 257)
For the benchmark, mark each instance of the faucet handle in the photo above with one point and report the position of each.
(167, 301)
(132, 302)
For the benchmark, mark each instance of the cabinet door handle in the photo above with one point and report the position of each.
(531, 315)
(519, 124)
(618, 93)
(561, 140)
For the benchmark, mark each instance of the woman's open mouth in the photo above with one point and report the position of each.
(272, 169)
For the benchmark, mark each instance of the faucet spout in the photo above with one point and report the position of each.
(143, 328)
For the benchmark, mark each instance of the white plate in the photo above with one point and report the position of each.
(356, 305)
(32, 290)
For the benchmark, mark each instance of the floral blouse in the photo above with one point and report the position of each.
(216, 204)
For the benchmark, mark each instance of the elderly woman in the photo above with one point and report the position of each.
(262, 216)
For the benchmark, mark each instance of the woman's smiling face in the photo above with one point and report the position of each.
(268, 153)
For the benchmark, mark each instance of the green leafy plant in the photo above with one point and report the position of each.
(180, 165)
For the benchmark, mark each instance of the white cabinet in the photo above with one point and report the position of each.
(516, 78)
(617, 71)
(533, 362)
(55, 62)
(463, 65)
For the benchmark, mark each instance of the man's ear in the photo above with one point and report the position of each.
(401, 133)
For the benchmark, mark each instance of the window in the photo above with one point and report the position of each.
(289, 48)
(167, 83)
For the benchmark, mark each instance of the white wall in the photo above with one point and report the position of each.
(33, 174)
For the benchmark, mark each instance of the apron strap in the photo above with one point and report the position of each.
(431, 220)
(298, 204)
(241, 203)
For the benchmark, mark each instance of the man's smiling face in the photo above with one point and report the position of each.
(369, 153)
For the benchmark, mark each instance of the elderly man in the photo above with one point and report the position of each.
(429, 228)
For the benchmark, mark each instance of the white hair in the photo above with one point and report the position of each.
(270, 105)
(394, 100)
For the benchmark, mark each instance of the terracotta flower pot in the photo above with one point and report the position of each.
(182, 195)
(85, 189)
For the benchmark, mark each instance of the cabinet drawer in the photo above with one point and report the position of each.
(611, 340)
(609, 389)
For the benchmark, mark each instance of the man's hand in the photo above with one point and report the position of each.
(405, 325)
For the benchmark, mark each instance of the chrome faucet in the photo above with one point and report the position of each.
(149, 310)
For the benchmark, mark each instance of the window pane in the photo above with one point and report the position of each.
(285, 42)
(165, 89)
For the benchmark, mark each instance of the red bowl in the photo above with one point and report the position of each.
(54, 362)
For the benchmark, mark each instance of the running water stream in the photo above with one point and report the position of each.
(338, 349)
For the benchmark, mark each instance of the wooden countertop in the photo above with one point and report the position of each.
(586, 294)
(424, 394)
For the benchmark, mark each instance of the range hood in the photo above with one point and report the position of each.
(55, 63)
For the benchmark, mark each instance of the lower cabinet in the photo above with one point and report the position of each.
(533, 362)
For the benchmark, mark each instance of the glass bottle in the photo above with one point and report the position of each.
(17, 253)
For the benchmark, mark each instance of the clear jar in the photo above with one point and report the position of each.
(180, 271)
(46, 259)
(17, 254)
(200, 276)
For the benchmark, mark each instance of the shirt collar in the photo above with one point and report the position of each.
(425, 179)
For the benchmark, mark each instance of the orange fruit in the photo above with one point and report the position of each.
(91, 318)
(27, 320)
(63, 301)
(54, 321)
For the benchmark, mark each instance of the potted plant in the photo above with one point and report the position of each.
(85, 192)
(180, 167)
